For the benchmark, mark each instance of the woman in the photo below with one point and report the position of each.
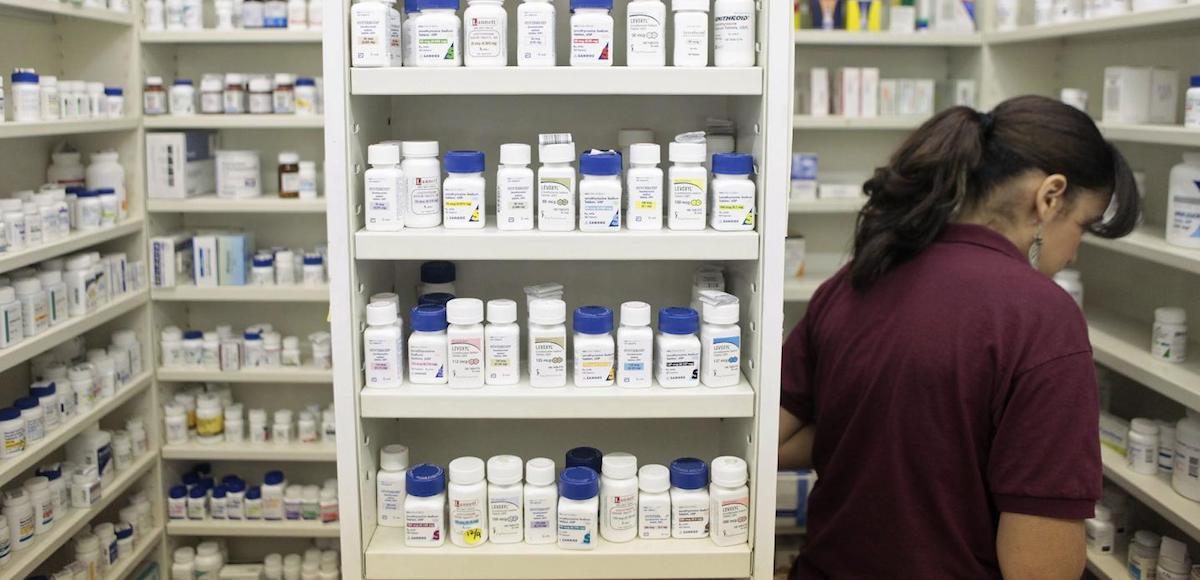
(942, 388)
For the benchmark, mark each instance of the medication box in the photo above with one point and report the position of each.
(179, 165)
(791, 497)
(171, 260)
(1114, 432)
(794, 251)
(233, 258)
(818, 91)
(804, 176)
(204, 260)
(1164, 96)
(869, 102)
(847, 92)
(1126, 94)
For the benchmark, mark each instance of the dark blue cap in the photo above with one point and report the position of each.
(113, 91)
(75, 189)
(464, 162)
(105, 191)
(235, 485)
(593, 319)
(193, 334)
(579, 483)
(178, 491)
(87, 193)
(435, 298)
(678, 320)
(437, 272)
(438, 4)
(254, 493)
(411, 6)
(312, 259)
(577, 4)
(306, 82)
(585, 457)
(230, 478)
(250, 335)
(425, 480)
(273, 477)
(219, 491)
(689, 473)
(183, 82)
(24, 77)
(123, 533)
(198, 492)
(733, 163)
(428, 317)
(26, 403)
(190, 479)
(9, 413)
(54, 471)
(600, 163)
(43, 391)
(207, 483)
(264, 260)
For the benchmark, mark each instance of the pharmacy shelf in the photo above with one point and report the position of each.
(268, 203)
(857, 123)
(280, 375)
(492, 244)
(1155, 491)
(253, 528)
(35, 453)
(522, 401)
(561, 80)
(827, 206)
(388, 558)
(57, 8)
(236, 36)
(250, 452)
(14, 130)
(76, 240)
(1123, 345)
(1150, 243)
(1151, 23)
(802, 289)
(289, 121)
(848, 38)
(1153, 134)
(65, 527)
(1107, 566)
(56, 335)
(141, 548)
(242, 294)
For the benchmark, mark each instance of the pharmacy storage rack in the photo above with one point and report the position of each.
(295, 310)
(77, 42)
(464, 108)
(1124, 280)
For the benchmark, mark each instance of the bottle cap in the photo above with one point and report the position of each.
(1069, 275)
(719, 307)
(26, 403)
(1173, 550)
(180, 82)
(578, 483)
(1144, 426)
(178, 492)
(1170, 315)
(586, 457)
(635, 313)
(292, 158)
(428, 317)
(619, 465)
(501, 311)
(383, 154)
(425, 480)
(419, 148)
(273, 478)
(515, 154)
(284, 79)
(504, 469)
(435, 299)
(729, 471)
(547, 311)
(680, 5)
(438, 4)
(393, 457)
(254, 493)
(732, 163)
(464, 162)
(654, 478)
(689, 473)
(437, 272)
(311, 259)
(466, 470)
(197, 492)
(645, 153)
(150, 81)
(464, 311)
(557, 153)
(306, 82)
(219, 491)
(1195, 81)
(687, 152)
(411, 6)
(677, 320)
(113, 91)
(381, 313)
(593, 320)
(600, 163)
(1102, 513)
(601, 4)
(24, 77)
(1147, 538)
(539, 471)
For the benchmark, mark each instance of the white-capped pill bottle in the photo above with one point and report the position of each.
(720, 339)
(1142, 452)
(467, 502)
(439, 34)
(591, 33)
(547, 343)
(514, 188)
(535, 33)
(428, 345)
(12, 328)
(733, 192)
(56, 296)
(729, 501)
(600, 192)
(390, 485)
(35, 314)
(654, 502)
(464, 190)
(502, 343)
(595, 352)
(369, 34)
(644, 181)
(688, 187)
(556, 188)
(541, 502)
(465, 337)
(689, 498)
(578, 508)
(619, 497)
(425, 507)
(505, 499)
(423, 183)
(384, 185)
(383, 347)
(646, 33)
(12, 433)
(1170, 335)
(677, 349)
(1185, 476)
(691, 33)
(635, 346)
(733, 33)
(485, 33)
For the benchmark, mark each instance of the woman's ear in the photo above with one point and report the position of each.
(1051, 197)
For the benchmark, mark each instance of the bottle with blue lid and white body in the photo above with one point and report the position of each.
(677, 350)
(463, 205)
(733, 192)
(427, 345)
(600, 192)
(592, 33)
(425, 507)
(689, 498)
(595, 352)
(438, 34)
(578, 508)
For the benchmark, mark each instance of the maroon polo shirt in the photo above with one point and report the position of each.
(959, 386)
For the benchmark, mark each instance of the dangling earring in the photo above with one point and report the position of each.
(1035, 251)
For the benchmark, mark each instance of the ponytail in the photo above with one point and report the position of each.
(955, 160)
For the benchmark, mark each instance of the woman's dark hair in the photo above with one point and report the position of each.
(959, 157)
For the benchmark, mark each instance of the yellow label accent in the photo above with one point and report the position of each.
(473, 536)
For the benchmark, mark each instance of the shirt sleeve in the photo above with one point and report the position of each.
(1045, 456)
(796, 396)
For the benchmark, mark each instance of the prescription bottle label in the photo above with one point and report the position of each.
(501, 362)
(466, 521)
(732, 210)
(423, 527)
(576, 529)
(690, 521)
(591, 42)
(425, 195)
(535, 40)
(466, 359)
(462, 207)
(600, 210)
(654, 521)
(504, 516)
(549, 357)
(645, 34)
(14, 440)
(210, 426)
(622, 512)
(594, 366)
(425, 364)
(725, 356)
(687, 199)
(1169, 342)
(677, 366)
(734, 518)
(484, 37)
(556, 196)
(436, 43)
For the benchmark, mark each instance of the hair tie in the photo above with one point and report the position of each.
(986, 121)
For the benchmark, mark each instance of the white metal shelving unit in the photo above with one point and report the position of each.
(461, 108)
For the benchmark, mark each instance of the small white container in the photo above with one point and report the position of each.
(578, 506)
(463, 192)
(686, 207)
(691, 33)
(541, 502)
(383, 347)
(183, 97)
(440, 32)
(177, 503)
(468, 502)
(423, 184)
(720, 339)
(619, 497)
(465, 337)
(369, 34)
(733, 33)
(654, 503)
(50, 105)
(535, 33)
(646, 33)
(505, 515)
(272, 494)
(390, 486)
(502, 343)
(514, 187)
(547, 343)
(35, 313)
(12, 433)
(281, 428)
(689, 498)
(1143, 554)
(238, 174)
(595, 352)
(556, 188)
(677, 350)
(1142, 452)
(425, 507)
(485, 34)
(635, 347)
(1183, 202)
(729, 502)
(1191, 104)
(1170, 335)
(114, 102)
(645, 185)
(1184, 478)
(591, 33)
(733, 192)
(26, 100)
(600, 192)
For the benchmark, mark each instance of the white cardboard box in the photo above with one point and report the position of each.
(804, 176)
(179, 165)
(869, 103)
(848, 89)
(887, 98)
(1126, 94)
(1164, 96)
(818, 90)
(204, 260)
(171, 260)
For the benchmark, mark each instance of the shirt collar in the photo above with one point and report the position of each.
(982, 236)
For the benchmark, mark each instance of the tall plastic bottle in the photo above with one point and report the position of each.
(423, 184)
(535, 33)
(556, 188)
(385, 189)
(1183, 202)
(514, 188)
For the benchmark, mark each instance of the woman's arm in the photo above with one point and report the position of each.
(1040, 548)
(795, 442)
